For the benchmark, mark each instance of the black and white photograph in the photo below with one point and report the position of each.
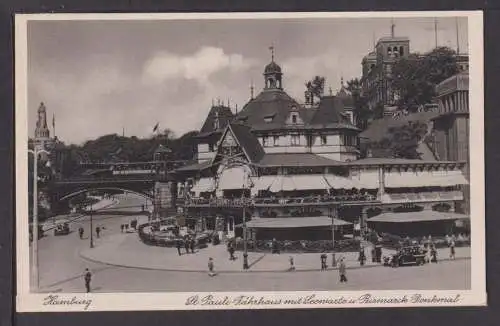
(219, 161)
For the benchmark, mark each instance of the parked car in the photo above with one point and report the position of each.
(62, 229)
(410, 255)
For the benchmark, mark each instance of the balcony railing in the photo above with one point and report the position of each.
(278, 202)
(423, 197)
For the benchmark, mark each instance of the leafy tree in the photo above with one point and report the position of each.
(361, 109)
(316, 86)
(403, 141)
(415, 77)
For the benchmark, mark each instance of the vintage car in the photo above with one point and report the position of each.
(411, 255)
(62, 229)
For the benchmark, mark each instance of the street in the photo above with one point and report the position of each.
(61, 268)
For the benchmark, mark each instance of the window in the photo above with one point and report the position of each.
(295, 140)
(210, 147)
(323, 140)
(276, 140)
(264, 141)
(294, 118)
(401, 51)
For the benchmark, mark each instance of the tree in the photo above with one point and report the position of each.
(403, 141)
(414, 78)
(361, 109)
(316, 86)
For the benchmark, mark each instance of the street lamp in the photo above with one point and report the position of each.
(91, 228)
(34, 245)
(332, 213)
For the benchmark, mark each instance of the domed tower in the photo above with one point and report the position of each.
(273, 74)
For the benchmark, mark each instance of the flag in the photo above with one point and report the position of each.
(156, 127)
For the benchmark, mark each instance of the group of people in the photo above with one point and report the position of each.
(98, 230)
(189, 245)
(341, 264)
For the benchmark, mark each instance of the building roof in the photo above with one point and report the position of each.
(458, 82)
(295, 222)
(330, 112)
(395, 161)
(378, 129)
(249, 143)
(411, 217)
(393, 39)
(225, 116)
(296, 159)
(268, 103)
(194, 167)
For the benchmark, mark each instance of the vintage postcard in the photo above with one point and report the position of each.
(249, 161)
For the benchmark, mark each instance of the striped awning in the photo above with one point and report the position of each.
(338, 182)
(411, 217)
(299, 182)
(424, 179)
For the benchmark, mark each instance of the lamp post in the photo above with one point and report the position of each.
(91, 228)
(34, 245)
(332, 213)
(245, 240)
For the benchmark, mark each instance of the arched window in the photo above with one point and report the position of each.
(389, 51)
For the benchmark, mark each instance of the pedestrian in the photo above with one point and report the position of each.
(342, 271)
(80, 232)
(292, 265)
(452, 249)
(87, 277)
(178, 245)
(192, 244)
(121, 228)
(323, 262)
(433, 254)
(186, 245)
(230, 249)
(97, 231)
(211, 267)
(362, 256)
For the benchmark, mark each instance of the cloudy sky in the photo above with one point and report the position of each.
(100, 77)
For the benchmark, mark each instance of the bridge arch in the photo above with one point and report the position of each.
(85, 190)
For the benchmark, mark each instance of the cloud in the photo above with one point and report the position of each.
(198, 66)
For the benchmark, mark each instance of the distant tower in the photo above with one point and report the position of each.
(42, 133)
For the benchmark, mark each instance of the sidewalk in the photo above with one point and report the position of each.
(126, 250)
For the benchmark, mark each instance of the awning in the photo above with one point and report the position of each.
(425, 179)
(204, 185)
(366, 179)
(411, 217)
(299, 182)
(264, 182)
(338, 182)
(294, 222)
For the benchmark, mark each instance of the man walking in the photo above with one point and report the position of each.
(186, 245)
(97, 231)
(178, 245)
(80, 232)
(342, 271)
(88, 277)
(211, 267)
(323, 262)
(452, 249)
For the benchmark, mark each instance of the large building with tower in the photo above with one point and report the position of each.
(285, 170)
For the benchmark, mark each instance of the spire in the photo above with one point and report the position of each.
(251, 89)
(456, 30)
(236, 110)
(342, 81)
(392, 27)
(272, 52)
(373, 40)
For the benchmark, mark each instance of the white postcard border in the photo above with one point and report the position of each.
(32, 302)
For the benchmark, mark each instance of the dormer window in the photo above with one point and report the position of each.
(269, 118)
(294, 118)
